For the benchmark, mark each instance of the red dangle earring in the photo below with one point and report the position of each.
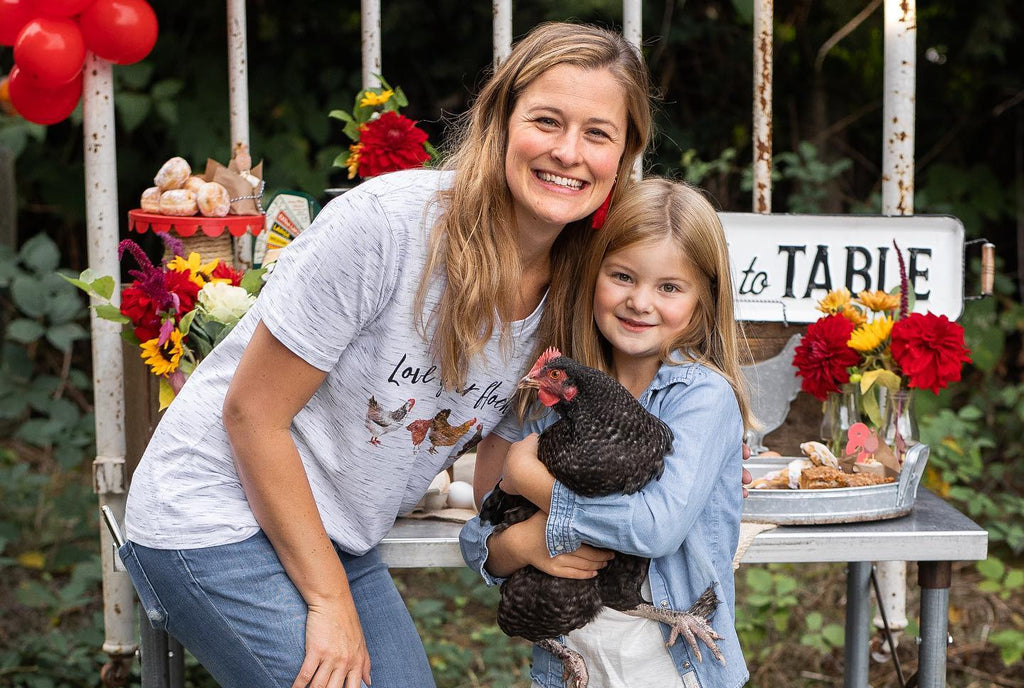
(598, 218)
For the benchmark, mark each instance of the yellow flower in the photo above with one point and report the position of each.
(371, 99)
(854, 315)
(878, 301)
(197, 272)
(870, 336)
(835, 301)
(353, 159)
(163, 359)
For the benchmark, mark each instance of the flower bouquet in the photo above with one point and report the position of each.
(874, 344)
(383, 139)
(177, 311)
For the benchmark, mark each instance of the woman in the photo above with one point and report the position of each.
(389, 337)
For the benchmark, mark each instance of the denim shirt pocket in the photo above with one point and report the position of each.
(155, 612)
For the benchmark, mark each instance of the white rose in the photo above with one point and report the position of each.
(225, 303)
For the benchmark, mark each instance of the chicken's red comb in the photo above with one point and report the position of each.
(549, 353)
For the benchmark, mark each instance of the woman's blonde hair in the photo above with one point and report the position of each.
(655, 209)
(474, 245)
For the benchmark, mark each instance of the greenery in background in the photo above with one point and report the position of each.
(304, 62)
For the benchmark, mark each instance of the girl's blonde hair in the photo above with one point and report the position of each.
(655, 209)
(474, 246)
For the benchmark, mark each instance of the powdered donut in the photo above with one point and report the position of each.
(178, 202)
(213, 200)
(173, 174)
(193, 183)
(150, 201)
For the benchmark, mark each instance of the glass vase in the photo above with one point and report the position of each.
(899, 423)
(840, 410)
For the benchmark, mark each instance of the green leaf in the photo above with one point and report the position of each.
(40, 253)
(133, 109)
(252, 280)
(340, 114)
(167, 89)
(29, 295)
(111, 313)
(25, 331)
(991, 568)
(834, 634)
(136, 75)
(104, 286)
(63, 336)
(185, 324)
(814, 621)
(63, 307)
(1014, 579)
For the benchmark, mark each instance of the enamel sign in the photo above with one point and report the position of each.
(784, 264)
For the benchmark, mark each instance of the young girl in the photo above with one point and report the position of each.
(657, 314)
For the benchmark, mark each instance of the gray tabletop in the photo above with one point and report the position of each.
(932, 531)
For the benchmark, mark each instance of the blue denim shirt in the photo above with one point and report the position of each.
(687, 522)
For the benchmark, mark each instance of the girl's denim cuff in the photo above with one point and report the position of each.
(559, 533)
(473, 543)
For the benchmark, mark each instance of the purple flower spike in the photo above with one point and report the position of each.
(904, 284)
(173, 244)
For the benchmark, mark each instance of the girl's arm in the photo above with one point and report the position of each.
(498, 556)
(270, 386)
(653, 522)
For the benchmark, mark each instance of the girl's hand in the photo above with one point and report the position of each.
(525, 475)
(336, 655)
(583, 563)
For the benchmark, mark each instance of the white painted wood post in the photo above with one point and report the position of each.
(763, 56)
(502, 30)
(370, 23)
(109, 473)
(633, 31)
(898, 126)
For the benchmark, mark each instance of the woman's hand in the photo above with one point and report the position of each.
(336, 655)
(524, 544)
(525, 475)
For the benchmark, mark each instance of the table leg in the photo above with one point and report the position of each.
(934, 577)
(858, 624)
(152, 656)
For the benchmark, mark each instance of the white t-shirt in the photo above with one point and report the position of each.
(379, 428)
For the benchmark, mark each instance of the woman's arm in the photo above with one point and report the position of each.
(270, 386)
(490, 458)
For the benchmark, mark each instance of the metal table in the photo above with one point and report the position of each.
(934, 535)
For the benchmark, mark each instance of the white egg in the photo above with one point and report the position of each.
(460, 495)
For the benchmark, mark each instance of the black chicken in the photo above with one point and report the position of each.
(604, 442)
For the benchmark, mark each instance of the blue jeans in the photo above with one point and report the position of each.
(235, 608)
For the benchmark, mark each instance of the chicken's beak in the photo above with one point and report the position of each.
(528, 383)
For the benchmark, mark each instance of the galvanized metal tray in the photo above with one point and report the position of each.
(836, 505)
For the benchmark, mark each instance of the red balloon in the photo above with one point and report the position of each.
(43, 105)
(14, 14)
(61, 8)
(122, 31)
(49, 50)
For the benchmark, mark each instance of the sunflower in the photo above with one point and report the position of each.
(878, 301)
(193, 266)
(854, 315)
(835, 301)
(163, 359)
(372, 99)
(871, 336)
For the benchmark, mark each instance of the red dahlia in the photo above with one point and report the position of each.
(142, 311)
(823, 356)
(389, 143)
(929, 349)
(225, 271)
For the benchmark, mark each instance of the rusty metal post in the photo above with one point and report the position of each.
(898, 124)
(502, 30)
(763, 56)
(109, 478)
(370, 23)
